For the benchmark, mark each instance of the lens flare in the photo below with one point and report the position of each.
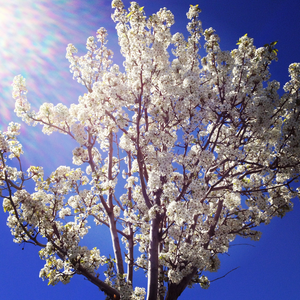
(33, 41)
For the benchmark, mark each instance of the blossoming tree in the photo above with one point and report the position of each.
(180, 156)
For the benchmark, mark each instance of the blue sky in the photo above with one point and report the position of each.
(33, 38)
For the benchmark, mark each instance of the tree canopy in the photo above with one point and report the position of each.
(180, 154)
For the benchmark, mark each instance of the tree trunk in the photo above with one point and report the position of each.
(116, 244)
(175, 290)
(153, 260)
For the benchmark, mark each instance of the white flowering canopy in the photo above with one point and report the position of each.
(180, 155)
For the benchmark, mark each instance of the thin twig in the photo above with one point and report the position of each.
(241, 245)
(224, 275)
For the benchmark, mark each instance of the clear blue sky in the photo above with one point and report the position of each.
(33, 38)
